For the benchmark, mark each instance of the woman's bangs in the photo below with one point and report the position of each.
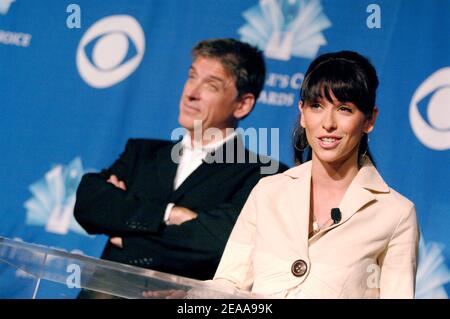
(342, 82)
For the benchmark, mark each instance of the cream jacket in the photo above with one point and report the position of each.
(370, 253)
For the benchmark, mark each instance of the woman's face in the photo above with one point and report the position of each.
(334, 129)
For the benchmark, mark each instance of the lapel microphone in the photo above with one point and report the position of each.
(336, 215)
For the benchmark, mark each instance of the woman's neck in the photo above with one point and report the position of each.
(338, 175)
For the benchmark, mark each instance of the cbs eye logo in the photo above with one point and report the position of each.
(110, 50)
(433, 132)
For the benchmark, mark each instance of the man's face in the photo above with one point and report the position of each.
(209, 95)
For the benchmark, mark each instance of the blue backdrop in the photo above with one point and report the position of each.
(77, 79)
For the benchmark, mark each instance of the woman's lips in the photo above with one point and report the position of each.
(329, 142)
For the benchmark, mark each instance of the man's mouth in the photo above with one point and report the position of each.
(191, 108)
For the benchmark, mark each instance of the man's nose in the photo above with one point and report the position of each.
(193, 91)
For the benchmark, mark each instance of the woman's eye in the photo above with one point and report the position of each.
(345, 108)
(315, 105)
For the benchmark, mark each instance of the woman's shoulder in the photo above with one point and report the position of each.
(400, 200)
(370, 178)
(395, 205)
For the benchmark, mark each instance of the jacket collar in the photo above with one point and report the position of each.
(367, 177)
(362, 190)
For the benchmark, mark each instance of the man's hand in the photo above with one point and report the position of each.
(180, 215)
(116, 241)
(115, 181)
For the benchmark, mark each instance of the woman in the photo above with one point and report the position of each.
(330, 227)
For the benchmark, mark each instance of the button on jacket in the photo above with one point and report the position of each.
(370, 253)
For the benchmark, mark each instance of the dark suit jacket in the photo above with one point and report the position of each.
(215, 191)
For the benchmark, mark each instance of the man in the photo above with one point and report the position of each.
(171, 207)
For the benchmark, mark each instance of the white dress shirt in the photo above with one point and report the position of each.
(191, 158)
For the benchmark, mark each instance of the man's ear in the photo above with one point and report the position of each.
(370, 121)
(300, 107)
(244, 106)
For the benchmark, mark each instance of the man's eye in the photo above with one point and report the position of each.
(213, 87)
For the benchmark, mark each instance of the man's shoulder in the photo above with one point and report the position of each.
(146, 143)
(146, 148)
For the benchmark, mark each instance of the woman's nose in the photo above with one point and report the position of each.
(329, 121)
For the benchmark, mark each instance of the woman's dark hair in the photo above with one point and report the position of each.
(351, 78)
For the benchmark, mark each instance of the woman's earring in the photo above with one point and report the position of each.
(300, 138)
(365, 147)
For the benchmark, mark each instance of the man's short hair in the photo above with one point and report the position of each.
(243, 61)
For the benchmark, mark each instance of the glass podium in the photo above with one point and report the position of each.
(33, 268)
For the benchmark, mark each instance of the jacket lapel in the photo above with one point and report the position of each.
(167, 167)
(362, 190)
(299, 193)
(359, 194)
